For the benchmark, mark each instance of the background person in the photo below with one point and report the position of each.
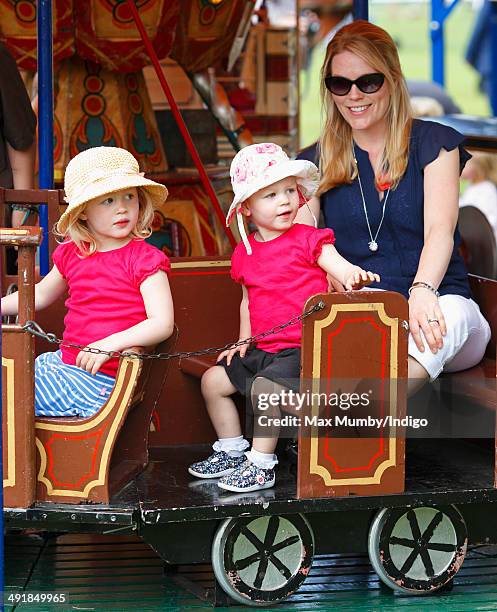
(17, 140)
(481, 192)
(389, 189)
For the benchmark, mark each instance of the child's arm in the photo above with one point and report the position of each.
(158, 325)
(351, 277)
(51, 287)
(245, 330)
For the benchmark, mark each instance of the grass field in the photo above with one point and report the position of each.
(409, 26)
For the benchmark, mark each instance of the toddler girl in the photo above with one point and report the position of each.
(118, 291)
(279, 267)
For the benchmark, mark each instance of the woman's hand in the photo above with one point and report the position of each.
(359, 278)
(230, 353)
(92, 362)
(425, 314)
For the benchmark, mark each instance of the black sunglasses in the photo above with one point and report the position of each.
(367, 83)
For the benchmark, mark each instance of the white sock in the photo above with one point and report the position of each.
(233, 446)
(266, 461)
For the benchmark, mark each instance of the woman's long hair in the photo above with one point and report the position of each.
(376, 47)
(78, 232)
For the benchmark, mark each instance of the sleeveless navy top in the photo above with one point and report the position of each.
(401, 237)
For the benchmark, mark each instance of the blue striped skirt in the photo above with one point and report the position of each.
(63, 390)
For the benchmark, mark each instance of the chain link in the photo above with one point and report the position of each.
(33, 328)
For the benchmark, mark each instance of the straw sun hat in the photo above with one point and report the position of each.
(95, 172)
(260, 165)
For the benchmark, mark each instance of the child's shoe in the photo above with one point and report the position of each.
(247, 477)
(218, 464)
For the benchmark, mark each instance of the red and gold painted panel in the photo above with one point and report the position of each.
(188, 206)
(104, 108)
(359, 342)
(74, 455)
(18, 30)
(205, 32)
(106, 31)
(17, 417)
(102, 31)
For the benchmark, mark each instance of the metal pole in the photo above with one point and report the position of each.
(45, 117)
(493, 52)
(361, 9)
(440, 10)
(437, 42)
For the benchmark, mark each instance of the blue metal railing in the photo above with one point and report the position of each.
(361, 9)
(45, 118)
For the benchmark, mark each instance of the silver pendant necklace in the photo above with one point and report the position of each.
(372, 244)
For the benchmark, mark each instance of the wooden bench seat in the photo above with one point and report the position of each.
(197, 366)
(477, 385)
(89, 459)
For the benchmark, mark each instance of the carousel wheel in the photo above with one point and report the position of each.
(417, 550)
(259, 561)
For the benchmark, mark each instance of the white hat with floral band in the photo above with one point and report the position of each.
(260, 165)
(100, 170)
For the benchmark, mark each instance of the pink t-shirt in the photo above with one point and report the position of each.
(280, 276)
(104, 292)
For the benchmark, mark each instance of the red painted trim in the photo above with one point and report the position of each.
(328, 441)
(51, 463)
(156, 420)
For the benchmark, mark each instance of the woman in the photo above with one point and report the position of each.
(389, 189)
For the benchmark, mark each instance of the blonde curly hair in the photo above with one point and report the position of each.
(77, 229)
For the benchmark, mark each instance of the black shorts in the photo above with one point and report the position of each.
(282, 367)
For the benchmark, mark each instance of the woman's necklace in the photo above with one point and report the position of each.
(372, 244)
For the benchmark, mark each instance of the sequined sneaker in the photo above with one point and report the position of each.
(217, 465)
(247, 477)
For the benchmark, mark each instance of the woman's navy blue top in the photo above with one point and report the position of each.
(401, 237)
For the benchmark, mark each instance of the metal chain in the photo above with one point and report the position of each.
(33, 328)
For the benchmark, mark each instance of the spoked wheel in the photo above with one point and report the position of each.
(260, 561)
(417, 550)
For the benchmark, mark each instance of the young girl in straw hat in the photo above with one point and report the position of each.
(119, 294)
(279, 267)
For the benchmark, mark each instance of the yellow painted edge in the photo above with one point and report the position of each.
(105, 454)
(10, 481)
(225, 263)
(315, 467)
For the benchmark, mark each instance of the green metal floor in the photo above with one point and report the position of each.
(122, 573)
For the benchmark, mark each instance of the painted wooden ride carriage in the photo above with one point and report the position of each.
(414, 504)
(415, 511)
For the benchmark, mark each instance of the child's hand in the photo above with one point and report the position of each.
(229, 354)
(92, 362)
(360, 278)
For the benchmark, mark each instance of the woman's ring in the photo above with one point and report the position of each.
(434, 321)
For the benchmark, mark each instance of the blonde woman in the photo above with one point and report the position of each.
(119, 294)
(389, 189)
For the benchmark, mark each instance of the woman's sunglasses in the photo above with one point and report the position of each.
(367, 83)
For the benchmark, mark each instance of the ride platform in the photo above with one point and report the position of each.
(106, 572)
(180, 518)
